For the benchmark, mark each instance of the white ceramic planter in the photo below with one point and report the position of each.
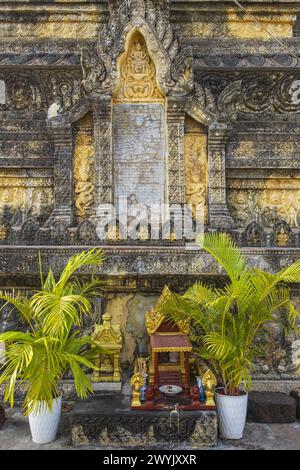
(44, 424)
(232, 411)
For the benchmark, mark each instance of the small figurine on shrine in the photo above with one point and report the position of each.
(107, 337)
(207, 379)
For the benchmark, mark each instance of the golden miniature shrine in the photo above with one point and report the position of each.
(107, 337)
(165, 377)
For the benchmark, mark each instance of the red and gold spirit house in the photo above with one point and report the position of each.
(168, 367)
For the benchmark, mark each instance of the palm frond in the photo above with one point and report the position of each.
(20, 303)
(226, 252)
(79, 261)
(94, 288)
(291, 274)
(218, 346)
(60, 313)
(49, 283)
(200, 293)
(82, 383)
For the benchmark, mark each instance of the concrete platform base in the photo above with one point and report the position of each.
(109, 421)
(107, 386)
(15, 435)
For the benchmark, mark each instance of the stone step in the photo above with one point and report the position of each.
(271, 407)
(296, 394)
(109, 421)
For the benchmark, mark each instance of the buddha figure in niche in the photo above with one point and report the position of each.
(137, 72)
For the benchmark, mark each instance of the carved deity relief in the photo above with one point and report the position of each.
(195, 157)
(267, 202)
(137, 73)
(83, 166)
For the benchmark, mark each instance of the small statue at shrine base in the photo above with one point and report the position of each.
(107, 337)
(168, 369)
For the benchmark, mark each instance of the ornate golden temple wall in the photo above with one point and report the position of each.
(78, 21)
(228, 98)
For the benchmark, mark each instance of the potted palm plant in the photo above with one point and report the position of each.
(230, 323)
(50, 344)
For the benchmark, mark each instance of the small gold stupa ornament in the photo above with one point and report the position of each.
(107, 337)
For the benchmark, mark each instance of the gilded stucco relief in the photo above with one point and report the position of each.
(239, 26)
(137, 73)
(62, 23)
(280, 26)
(266, 201)
(23, 197)
(195, 159)
(83, 167)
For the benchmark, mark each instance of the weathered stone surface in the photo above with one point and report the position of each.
(296, 395)
(271, 407)
(108, 421)
(107, 387)
(129, 311)
(284, 385)
(139, 152)
(66, 388)
(2, 415)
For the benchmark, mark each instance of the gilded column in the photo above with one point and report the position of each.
(219, 216)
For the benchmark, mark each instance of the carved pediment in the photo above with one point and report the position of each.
(173, 64)
(137, 73)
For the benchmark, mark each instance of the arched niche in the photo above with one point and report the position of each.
(137, 73)
(139, 127)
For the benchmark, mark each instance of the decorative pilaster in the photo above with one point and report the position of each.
(103, 151)
(175, 122)
(219, 216)
(63, 175)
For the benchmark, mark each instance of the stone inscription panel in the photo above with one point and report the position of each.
(139, 152)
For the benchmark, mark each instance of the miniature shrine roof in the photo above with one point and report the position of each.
(170, 342)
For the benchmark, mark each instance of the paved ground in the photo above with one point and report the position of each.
(15, 434)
